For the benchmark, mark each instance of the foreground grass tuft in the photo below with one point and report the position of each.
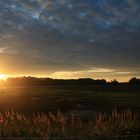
(40, 125)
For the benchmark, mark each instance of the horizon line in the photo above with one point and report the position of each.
(39, 77)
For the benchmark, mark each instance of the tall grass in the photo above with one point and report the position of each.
(40, 125)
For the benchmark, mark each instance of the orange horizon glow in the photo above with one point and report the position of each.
(94, 73)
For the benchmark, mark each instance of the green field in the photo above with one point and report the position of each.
(43, 99)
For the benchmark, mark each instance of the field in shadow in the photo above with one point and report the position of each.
(87, 98)
(86, 112)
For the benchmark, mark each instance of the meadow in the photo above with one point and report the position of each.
(72, 112)
(70, 98)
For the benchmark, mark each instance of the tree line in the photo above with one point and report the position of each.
(33, 81)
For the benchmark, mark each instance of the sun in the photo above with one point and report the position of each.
(3, 76)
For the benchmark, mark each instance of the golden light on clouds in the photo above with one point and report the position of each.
(95, 73)
(100, 70)
(74, 74)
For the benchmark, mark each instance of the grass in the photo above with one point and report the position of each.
(60, 125)
(99, 122)
(65, 99)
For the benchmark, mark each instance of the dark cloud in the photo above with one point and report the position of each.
(59, 35)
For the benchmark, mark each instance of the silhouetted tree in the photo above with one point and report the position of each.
(134, 81)
(114, 82)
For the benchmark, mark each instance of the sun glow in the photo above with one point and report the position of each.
(3, 76)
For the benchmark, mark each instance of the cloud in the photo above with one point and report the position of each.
(100, 70)
(42, 36)
(98, 73)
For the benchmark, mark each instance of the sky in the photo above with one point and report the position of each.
(70, 38)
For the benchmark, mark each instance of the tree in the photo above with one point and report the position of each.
(134, 81)
(114, 82)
